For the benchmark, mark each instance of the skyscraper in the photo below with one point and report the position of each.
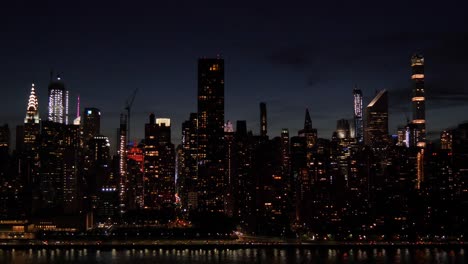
(122, 152)
(211, 134)
(58, 158)
(28, 142)
(151, 162)
(32, 111)
(96, 169)
(77, 120)
(377, 120)
(31, 128)
(58, 102)
(135, 167)
(358, 125)
(71, 156)
(418, 100)
(159, 163)
(263, 120)
(229, 168)
(91, 123)
(188, 174)
(166, 181)
(308, 131)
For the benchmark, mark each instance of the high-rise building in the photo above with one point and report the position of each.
(122, 152)
(96, 166)
(31, 128)
(77, 120)
(135, 167)
(91, 123)
(419, 100)
(229, 168)
(71, 156)
(285, 153)
(188, 173)
(377, 120)
(58, 171)
(286, 167)
(159, 164)
(32, 110)
(58, 101)
(27, 145)
(263, 120)
(308, 131)
(151, 162)
(358, 124)
(211, 153)
(310, 139)
(166, 182)
(243, 182)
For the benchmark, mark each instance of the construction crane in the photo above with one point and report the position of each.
(128, 107)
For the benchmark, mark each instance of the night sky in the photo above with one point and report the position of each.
(289, 54)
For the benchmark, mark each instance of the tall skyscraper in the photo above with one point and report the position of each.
(71, 157)
(135, 167)
(308, 131)
(58, 102)
(229, 168)
(59, 156)
(286, 162)
(263, 120)
(122, 152)
(96, 169)
(377, 120)
(159, 163)
(419, 100)
(77, 120)
(28, 142)
(151, 162)
(211, 153)
(166, 179)
(31, 129)
(91, 123)
(32, 111)
(188, 174)
(358, 125)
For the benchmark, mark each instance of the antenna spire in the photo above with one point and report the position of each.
(78, 107)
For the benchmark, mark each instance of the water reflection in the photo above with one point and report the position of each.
(226, 256)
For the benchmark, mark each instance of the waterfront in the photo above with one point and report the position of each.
(246, 255)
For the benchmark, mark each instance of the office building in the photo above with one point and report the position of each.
(419, 100)
(211, 153)
(376, 131)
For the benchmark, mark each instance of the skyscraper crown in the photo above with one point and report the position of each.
(32, 102)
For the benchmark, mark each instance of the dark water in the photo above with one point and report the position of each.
(226, 256)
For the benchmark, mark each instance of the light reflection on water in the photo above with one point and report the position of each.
(226, 256)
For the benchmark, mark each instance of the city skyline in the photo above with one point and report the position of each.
(291, 186)
(284, 64)
(233, 131)
(254, 126)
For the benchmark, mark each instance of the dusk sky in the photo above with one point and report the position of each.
(291, 55)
